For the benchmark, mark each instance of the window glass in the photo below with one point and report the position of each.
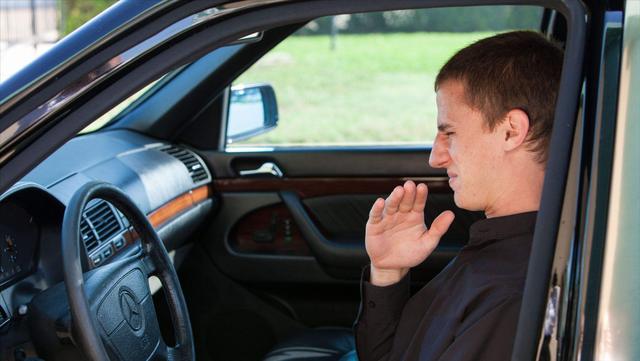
(118, 109)
(367, 79)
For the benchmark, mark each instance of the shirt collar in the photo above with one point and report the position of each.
(502, 227)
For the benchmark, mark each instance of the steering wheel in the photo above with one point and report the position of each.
(112, 309)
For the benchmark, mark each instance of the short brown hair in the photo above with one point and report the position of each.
(514, 70)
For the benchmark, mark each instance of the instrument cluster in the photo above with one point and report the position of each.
(18, 243)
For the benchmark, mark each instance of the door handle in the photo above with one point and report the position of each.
(267, 168)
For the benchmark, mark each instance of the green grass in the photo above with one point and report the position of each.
(374, 88)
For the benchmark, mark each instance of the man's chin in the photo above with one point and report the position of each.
(457, 199)
(463, 203)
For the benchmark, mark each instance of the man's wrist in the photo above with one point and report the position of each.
(386, 277)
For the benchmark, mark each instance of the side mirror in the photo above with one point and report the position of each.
(252, 110)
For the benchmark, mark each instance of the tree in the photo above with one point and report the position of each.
(77, 12)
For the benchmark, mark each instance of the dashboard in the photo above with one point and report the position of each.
(169, 183)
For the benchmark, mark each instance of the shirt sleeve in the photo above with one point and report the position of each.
(489, 337)
(380, 311)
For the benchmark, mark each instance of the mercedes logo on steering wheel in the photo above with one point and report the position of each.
(131, 309)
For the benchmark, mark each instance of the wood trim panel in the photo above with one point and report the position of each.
(277, 229)
(314, 187)
(172, 209)
(178, 205)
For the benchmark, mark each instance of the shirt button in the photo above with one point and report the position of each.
(372, 304)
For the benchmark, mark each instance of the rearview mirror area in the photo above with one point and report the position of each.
(253, 110)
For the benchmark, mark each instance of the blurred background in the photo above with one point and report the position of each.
(29, 27)
(353, 79)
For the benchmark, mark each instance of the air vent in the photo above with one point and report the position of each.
(99, 223)
(188, 158)
(89, 238)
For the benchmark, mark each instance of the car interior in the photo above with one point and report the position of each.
(267, 241)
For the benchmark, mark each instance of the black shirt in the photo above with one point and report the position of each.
(467, 312)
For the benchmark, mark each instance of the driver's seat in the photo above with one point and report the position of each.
(321, 344)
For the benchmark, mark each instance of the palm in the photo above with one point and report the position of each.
(396, 236)
(395, 242)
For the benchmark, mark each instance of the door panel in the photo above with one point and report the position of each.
(298, 240)
(311, 229)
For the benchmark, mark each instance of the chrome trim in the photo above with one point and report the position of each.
(94, 77)
(551, 315)
(267, 168)
(552, 21)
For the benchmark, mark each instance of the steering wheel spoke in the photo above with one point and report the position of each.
(149, 265)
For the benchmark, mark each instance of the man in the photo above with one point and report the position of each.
(496, 100)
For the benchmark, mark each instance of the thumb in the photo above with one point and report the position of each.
(440, 226)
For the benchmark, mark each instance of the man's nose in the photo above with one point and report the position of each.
(439, 156)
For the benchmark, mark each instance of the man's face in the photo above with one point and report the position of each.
(466, 147)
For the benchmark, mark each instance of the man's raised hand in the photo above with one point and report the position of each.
(396, 237)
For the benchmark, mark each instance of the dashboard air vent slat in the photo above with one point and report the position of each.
(107, 227)
(194, 164)
(88, 237)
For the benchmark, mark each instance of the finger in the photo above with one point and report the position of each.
(375, 215)
(406, 204)
(421, 197)
(440, 225)
(393, 201)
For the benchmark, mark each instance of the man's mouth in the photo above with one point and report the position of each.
(452, 178)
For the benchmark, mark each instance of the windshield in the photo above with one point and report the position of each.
(124, 106)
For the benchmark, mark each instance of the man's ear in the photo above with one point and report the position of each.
(515, 128)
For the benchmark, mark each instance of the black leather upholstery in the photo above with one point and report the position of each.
(323, 344)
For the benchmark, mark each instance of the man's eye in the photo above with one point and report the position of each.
(448, 134)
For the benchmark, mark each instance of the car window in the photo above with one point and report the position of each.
(130, 103)
(360, 79)
(119, 109)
